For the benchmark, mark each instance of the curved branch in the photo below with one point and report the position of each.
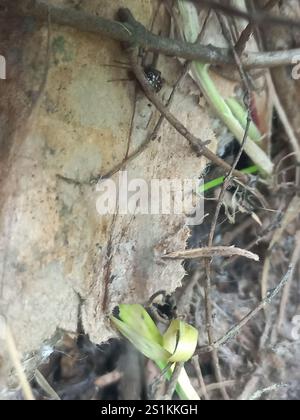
(134, 33)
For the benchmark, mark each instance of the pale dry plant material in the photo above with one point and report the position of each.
(46, 387)
(210, 252)
(260, 393)
(197, 367)
(16, 361)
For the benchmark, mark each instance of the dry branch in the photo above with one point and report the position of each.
(137, 34)
(208, 303)
(210, 252)
(233, 332)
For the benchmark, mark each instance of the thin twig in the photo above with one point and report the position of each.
(248, 31)
(234, 332)
(260, 18)
(196, 364)
(215, 387)
(136, 34)
(210, 331)
(262, 237)
(171, 385)
(210, 252)
(251, 385)
(227, 181)
(257, 395)
(208, 304)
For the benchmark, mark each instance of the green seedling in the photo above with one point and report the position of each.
(176, 345)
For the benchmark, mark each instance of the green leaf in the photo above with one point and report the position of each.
(180, 340)
(147, 346)
(136, 317)
(137, 326)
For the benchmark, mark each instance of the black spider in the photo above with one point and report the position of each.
(154, 78)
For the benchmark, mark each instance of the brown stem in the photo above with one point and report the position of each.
(248, 31)
(208, 303)
(135, 34)
(235, 331)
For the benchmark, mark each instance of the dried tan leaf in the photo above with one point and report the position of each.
(218, 251)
